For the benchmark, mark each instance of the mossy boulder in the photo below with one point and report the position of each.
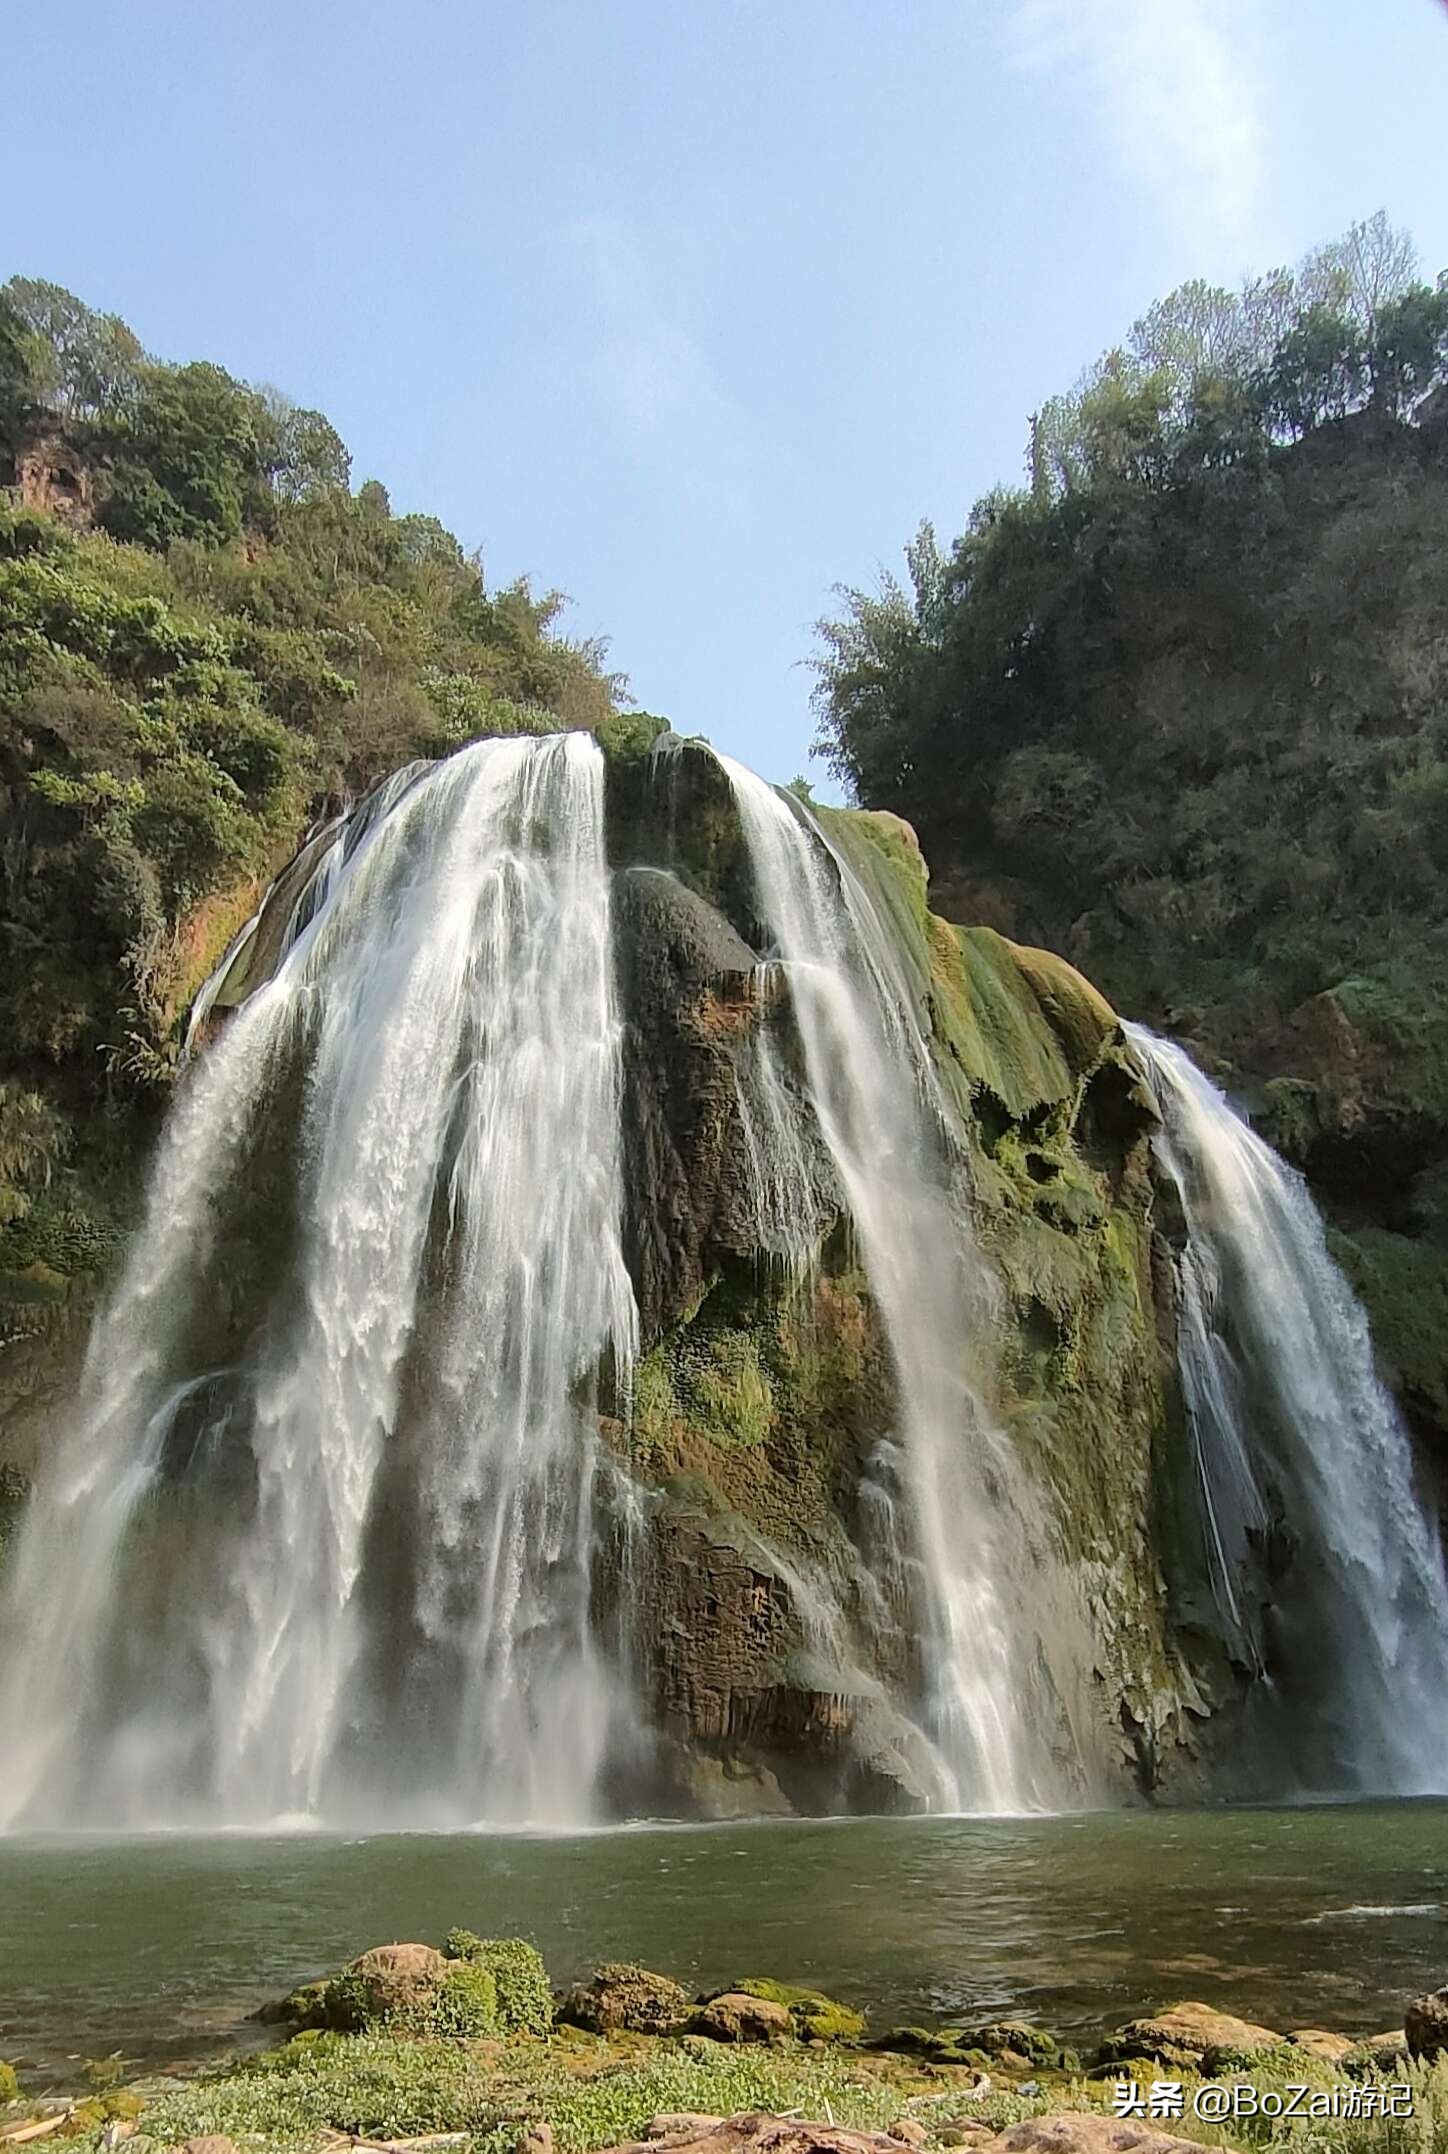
(816, 2018)
(1017, 2038)
(623, 1997)
(735, 2016)
(302, 2008)
(937, 2045)
(476, 1986)
(522, 1995)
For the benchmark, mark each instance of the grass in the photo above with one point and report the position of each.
(595, 2092)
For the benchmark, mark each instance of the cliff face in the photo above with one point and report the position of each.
(760, 1399)
(770, 1662)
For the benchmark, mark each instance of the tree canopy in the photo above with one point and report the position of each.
(221, 641)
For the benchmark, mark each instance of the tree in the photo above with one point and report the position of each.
(87, 364)
(191, 458)
(1318, 372)
(19, 368)
(1363, 272)
(305, 454)
(1408, 349)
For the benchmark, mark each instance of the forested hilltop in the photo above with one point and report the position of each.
(1178, 708)
(207, 639)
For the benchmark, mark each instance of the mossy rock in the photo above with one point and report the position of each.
(938, 2045)
(482, 1986)
(817, 2018)
(523, 1996)
(1016, 2037)
(303, 2007)
(624, 1997)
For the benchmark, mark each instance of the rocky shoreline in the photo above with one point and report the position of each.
(418, 2047)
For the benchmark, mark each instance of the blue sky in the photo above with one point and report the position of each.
(696, 307)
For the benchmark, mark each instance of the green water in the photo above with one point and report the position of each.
(1328, 1917)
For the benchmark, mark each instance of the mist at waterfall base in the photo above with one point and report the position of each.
(1324, 1564)
(335, 1534)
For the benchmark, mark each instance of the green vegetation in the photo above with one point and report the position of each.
(207, 637)
(523, 1998)
(1178, 706)
(595, 2093)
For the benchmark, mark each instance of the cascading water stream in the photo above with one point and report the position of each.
(869, 1085)
(1303, 1464)
(443, 1011)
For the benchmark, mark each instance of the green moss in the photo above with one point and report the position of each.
(467, 2002)
(1020, 2038)
(730, 1391)
(9, 2082)
(885, 852)
(817, 2018)
(655, 1408)
(524, 1996)
(1404, 1288)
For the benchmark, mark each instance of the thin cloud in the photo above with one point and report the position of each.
(1177, 87)
(651, 372)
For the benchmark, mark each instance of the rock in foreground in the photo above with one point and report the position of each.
(756, 2132)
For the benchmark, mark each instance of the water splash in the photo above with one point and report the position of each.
(443, 1005)
(1304, 1466)
(869, 1083)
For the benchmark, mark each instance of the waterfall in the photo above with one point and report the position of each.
(1304, 1467)
(442, 1012)
(871, 1089)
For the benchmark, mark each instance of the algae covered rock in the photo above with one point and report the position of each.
(476, 1986)
(523, 1998)
(938, 2045)
(623, 1997)
(302, 2008)
(1016, 2039)
(815, 2017)
(735, 2016)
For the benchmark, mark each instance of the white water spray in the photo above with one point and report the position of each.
(1302, 1459)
